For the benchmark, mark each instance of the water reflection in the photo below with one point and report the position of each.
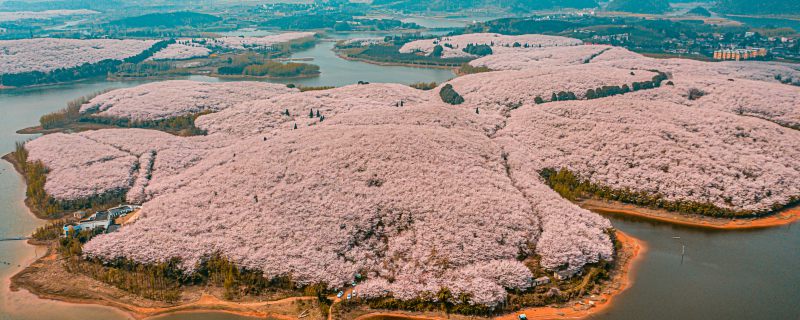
(742, 274)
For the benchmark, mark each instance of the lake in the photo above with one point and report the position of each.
(723, 275)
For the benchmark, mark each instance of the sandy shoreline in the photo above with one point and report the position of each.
(621, 279)
(47, 279)
(780, 218)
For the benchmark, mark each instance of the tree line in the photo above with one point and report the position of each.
(148, 69)
(163, 281)
(251, 64)
(86, 70)
(49, 231)
(390, 53)
(70, 114)
(277, 69)
(536, 296)
(35, 173)
(180, 125)
(608, 91)
(570, 186)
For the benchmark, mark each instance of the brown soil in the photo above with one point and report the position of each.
(613, 207)
(48, 279)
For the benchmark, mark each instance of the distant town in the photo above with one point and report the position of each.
(686, 38)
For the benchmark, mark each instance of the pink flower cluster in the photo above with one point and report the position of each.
(81, 167)
(453, 45)
(540, 57)
(682, 153)
(501, 89)
(47, 54)
(753, 70)
(179, 51)
(168, 99)
(401, 202)
(265, 41)
(264, 116)
(136, 194)
(771, 101)
(418, 195)
(93, 163)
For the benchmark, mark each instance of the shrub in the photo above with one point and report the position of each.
(478, 50)
(695, 93)
(423, 85)
(470, 69)
(437, 51)
(449, 95)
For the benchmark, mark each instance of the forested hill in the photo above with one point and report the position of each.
(639, 6)
(170, 19)
(444, 5)
(759, 7)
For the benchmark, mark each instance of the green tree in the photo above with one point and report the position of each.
(437, 51)
(449, 95)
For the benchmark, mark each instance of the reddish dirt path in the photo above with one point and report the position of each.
(778, 219)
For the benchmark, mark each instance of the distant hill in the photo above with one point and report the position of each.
(17, 5)
(699, 11)
(758, 7)
(639, 6)
(445, 5)
(551, 4)
(169, 20)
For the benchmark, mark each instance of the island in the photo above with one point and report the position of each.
(462, 199)
(45, 61)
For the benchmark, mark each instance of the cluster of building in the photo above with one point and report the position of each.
(108, 220)
(620, 37)
(740, 54)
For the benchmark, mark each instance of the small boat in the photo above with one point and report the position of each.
(676, 237)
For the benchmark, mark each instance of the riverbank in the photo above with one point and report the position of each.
(394, 64)
(47, 278)
(780, 218)
(621, 278)
(9, 157)
(630, 255)
(248, 77)
(69, 128)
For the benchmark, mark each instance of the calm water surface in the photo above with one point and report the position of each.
(724, 275)
(750, 274)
